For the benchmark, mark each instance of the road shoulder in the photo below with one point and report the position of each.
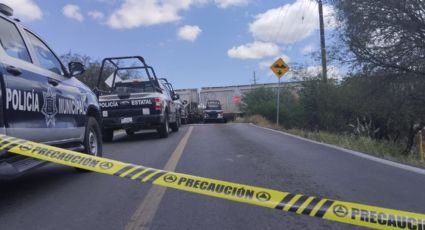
(352, 152)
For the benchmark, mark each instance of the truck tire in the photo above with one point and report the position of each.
(179, 120)
(163, 130)
(92, 140)
(175, 126)
(108, 135)
(129, 132)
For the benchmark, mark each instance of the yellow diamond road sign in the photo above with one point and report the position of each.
(279, 67)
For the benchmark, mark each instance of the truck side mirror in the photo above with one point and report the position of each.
(76, 68)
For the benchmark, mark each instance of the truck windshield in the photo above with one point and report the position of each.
(133, 87)
(129, 81)
(214, 106)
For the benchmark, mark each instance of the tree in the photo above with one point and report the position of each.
(384, 34)
(320, 103)
(92, 68)
(262, 101)
(387, 41)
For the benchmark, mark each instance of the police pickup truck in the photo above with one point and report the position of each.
(213, 112)
(40, 99)
(132, 98)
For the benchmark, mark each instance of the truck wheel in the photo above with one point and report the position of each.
(175, 126)
(108, 135)
(92, 140)
(163, 130)
(179, 120)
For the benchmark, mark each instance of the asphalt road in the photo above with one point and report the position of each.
(58, 197)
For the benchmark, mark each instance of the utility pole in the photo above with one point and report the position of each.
(255, 79)
(322, 42)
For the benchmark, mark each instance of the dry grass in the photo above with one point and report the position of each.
(383, 149)
(257, 120)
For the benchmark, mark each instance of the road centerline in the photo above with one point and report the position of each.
(145, 213)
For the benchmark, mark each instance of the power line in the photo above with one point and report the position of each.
(279, 25)
(308, 7)
(294, 27)
(289, 29)
(302, 7)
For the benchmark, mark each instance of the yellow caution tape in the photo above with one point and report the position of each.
(334, 210)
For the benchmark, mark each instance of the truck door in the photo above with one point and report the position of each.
(24, 86)
(66, 103)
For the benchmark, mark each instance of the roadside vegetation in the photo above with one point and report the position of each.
(379, 148)
(378, 107)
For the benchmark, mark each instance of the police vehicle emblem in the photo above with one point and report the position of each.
(49, 108)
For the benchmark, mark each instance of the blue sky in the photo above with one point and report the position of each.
(194, 43)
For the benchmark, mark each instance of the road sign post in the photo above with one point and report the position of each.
(421, 147)
(278, 102)
(279, 67)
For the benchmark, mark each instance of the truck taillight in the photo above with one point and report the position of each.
(157, 101)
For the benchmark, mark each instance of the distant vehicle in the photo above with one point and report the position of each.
(41, 100)
(184, 113)
(213, 111)
(190, 98)
(229, 98)
(132, 98)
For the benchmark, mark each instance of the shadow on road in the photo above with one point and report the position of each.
(145, 135)
(136, 137)
(35, 182)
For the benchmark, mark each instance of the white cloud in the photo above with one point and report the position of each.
(136, 13)
(25, 9)
(290, 23)
(73, 12)
(96, 15)
(189, 33)
(255, 50)
(332, 71)
(227, 3)
(308, 49)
